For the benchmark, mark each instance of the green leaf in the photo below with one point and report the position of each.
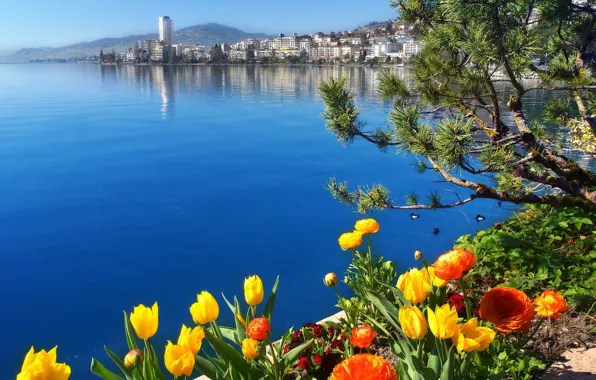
(434, 364)
(449, 365)
(98, 369)
(271, 301)
(230, 334)
(563, 224)
(118, 362)
(130, 338)
(289, 358)
(228, 352)
(206, 367)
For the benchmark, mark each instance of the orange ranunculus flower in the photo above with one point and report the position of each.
(436, 281)
(550, 304)
(364, 367)
(350, 240)
(367, 226)
(363, 336)
(508, 309)
(258, 329)
(453, 264)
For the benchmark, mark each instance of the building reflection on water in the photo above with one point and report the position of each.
(284, 83)
(163, 84)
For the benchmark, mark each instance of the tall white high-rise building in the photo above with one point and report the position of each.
(166, 30)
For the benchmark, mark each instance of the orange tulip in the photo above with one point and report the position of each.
(364, 367)
(453, 264)
(363, 336)
(550, 304)
(258, 329)
(508, 309)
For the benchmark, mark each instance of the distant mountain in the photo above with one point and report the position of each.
(205, 34)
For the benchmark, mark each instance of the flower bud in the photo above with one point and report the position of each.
(258, 329)
(418, 255)
(330, 279)
(133, 359)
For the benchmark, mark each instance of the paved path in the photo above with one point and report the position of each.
(576, 364)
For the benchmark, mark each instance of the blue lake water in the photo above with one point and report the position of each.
(128, 185)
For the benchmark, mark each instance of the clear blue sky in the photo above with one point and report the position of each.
(35, 23)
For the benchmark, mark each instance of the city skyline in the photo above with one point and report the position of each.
(87, 22)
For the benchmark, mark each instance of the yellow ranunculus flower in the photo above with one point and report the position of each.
(250, 348)
(469, 337)
(442, 321)
(253, 290)
(412, 322)
(191, 338)
(438, 282)
(205, 310)
(350, 240)
(414, 285)
(42, 366)
(367, 226)
(179, 360)
(145, 320)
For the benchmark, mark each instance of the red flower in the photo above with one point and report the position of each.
(258, 329)
(297, 335)
(286, 349)
(318, 359)
(457, 301)
(303, 363)
(317, 331)
(331, 330)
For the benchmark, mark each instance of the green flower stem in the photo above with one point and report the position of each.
(217, 330)
(153, 358)
(342, 306)
(462, 286)
(419, 350)
(275, 361)
(254, 311)
(370, 260)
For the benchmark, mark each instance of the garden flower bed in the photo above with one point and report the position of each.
(460, 318)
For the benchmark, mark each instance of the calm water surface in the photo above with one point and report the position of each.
(128, 185)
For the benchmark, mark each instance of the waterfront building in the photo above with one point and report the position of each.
(265, 45)
(238, 55)
(305, 43)
(380, 50)
(283, 42)
(166, 30)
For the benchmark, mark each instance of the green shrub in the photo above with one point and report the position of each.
(537, 249)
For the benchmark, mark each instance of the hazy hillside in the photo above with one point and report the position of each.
(205, 34)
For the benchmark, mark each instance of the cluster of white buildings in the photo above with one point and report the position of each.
(320, 46)
(384, 44)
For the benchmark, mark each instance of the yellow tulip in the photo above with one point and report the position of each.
(205, 310)
(179, 360)
(367, 226)
(42, 366)
(469, 337)
(350, 240)
(250, 348)
(414, 285)
(438, 282)
(145, 320)
(412, 322)
(253, 290)
(442, 321)
(191, 338)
